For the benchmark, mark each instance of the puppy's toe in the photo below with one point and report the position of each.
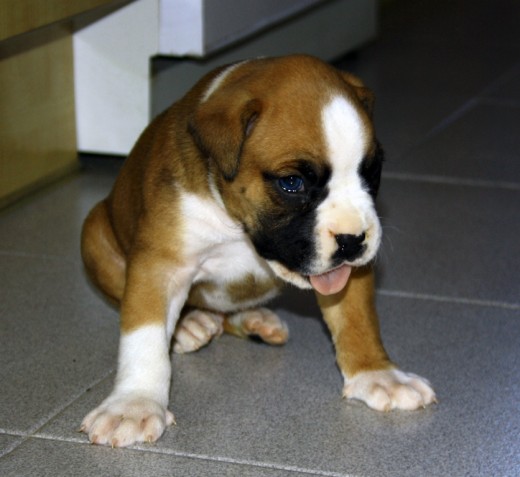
(389, 389)
(260, 322)
(196, 329)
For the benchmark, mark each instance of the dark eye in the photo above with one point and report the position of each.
(291, 184)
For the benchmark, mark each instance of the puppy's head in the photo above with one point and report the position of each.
(291, 147)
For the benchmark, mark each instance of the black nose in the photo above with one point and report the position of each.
(350, 246)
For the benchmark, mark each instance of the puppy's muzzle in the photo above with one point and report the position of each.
(350, 247)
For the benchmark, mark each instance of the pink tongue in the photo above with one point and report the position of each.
(331, 282)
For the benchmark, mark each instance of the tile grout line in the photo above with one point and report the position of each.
(451, 180)
(44, 421)
(502, 79)
(204, 457)
(459, 112)
(449, 299)
(447, 121)
(504, 103)
(265, 465)
(441, 125)
(19, 439)
(33, 430)
(394, 293)
(475, 100)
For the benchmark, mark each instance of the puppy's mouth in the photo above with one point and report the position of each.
(326, 283)
(331, 282)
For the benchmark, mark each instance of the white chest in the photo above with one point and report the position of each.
(224, 256)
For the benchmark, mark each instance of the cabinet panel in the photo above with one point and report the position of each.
(21, 16)
(37, 137)
(201, 27)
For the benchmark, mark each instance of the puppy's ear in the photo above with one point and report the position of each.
(371, 169)
(365, 96)
(220, 126)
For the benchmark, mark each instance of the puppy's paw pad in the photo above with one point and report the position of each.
(196, 329)
(123, 421)
(390, 389)
(263, 323)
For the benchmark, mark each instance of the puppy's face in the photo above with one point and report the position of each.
(296, 162)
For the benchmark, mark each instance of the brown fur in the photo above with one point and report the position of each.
(132, 241)
(352, 320)
(249, 286)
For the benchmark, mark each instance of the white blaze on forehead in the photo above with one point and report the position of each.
(219, 80)
(344, 135)
(346, 146)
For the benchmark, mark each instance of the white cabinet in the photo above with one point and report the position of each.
(113, 77)
(197, 28)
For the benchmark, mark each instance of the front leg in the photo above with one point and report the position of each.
(369, 374)
(136, 410)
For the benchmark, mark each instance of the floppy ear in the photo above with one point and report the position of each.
(220, 127)
(365, 96)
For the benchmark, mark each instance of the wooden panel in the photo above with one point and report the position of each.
(37, 136)
(20, 16)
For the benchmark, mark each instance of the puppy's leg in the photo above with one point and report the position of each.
(196, 329)
(136, 410)
(104, 261)
(369, 374)
(260, 322)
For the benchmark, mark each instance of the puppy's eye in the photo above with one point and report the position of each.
(291, 184)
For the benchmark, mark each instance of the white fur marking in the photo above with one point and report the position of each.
(219, 79)
(348, 208)
(288, 276)
(209, 221)
(221, 248)
(136, 410)
(144, 363)
(344, 135)
(179, 284)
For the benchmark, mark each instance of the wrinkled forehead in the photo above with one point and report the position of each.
(309, 110)
(328, 129)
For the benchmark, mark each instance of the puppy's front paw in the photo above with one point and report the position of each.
(196, 330)
(389, 389)
(121, 421)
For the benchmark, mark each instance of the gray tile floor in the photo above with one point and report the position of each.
(447, 76)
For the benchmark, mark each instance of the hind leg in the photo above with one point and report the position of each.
(103, 258)
(260, 322)
(196, 329)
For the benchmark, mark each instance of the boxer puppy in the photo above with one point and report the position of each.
(264, 173)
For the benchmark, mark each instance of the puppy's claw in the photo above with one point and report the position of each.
(170, 419)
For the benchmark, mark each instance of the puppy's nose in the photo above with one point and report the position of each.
(350, 246)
